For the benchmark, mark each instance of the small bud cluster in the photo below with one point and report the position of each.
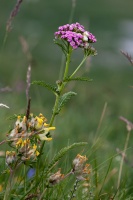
(25, 137)
(56, 178)
(75, 35)
(10, 158)
(80, 169)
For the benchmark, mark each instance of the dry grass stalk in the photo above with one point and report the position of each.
(127, 56)
(13, 14)
(25, 48)
(28, 81)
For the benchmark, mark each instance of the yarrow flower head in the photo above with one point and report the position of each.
(76, 35)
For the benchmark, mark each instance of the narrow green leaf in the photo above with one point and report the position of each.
(46, 85)
(105, 177)
(64, 99)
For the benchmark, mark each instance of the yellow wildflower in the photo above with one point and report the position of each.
(25, 142)
(38, 123)
(43, 136)
(19, 142)
(34, 147)
(37, 153)
(42, 117)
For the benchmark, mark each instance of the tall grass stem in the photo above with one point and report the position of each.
(122, 160)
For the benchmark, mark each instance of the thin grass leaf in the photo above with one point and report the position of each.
(46, 85)
(87, 79)
(64, 99)
(95, 173)
(105, 177)
(60, 154)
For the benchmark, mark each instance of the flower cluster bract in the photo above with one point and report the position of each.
(76, 35)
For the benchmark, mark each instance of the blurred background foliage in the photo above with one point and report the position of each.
(112, 24)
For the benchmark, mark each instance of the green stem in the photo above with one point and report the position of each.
(54, 109)
(24, 179)
(62, 86)
(84, 59)
(60, 89)
(68, 59)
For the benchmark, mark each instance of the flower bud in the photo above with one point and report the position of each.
(80, 169)
(10, 157)
(56, 178)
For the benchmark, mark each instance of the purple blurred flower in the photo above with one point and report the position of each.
(75, 35)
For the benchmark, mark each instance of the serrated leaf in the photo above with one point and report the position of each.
(46, 85)
(77, 79)
(15, 116)
(61, 46)
(64, 99)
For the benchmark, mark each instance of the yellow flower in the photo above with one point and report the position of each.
(34, 147)
(19, 142)
(38, 123)
(43, 136)
(42, 117)
(25, 142)
(37, 153)
(18, 122)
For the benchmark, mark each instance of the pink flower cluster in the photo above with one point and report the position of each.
(75, 35)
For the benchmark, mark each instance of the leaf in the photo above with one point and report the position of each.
(61, 46)
(12, 117)
(64, 99)
(60, 154)
(77, 79)
(46, 85)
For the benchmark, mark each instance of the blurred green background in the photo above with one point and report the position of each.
(112, 24)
